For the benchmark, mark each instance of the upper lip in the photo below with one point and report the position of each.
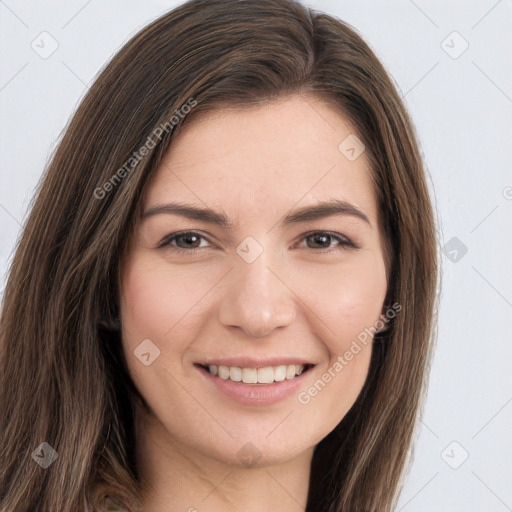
(249, 362)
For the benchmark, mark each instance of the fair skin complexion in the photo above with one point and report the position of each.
(305, 296)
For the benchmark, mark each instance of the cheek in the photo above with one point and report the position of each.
(163, 305)
(348, 302)
(347, 299)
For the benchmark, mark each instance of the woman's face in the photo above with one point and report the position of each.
(251, 276)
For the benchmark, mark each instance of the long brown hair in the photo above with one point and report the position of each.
(64, 379)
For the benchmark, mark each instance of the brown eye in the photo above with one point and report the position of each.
(320, 241)
(189, 241)
(186, 241)
(324, 240)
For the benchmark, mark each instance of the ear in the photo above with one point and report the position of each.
(110, 322)
(384, 318)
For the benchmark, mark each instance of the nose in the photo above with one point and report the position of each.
(257, 299)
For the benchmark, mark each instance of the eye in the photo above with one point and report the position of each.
(186, 241)
(190, 241)
(323, 239)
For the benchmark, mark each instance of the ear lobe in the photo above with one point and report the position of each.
(384, 318)
(384, 329)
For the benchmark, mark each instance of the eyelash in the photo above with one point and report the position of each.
(343, 242)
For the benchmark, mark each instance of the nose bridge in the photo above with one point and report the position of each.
(256, 300)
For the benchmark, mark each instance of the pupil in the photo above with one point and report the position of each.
(325, 239)
(189, 239)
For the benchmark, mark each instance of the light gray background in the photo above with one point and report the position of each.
(462, 108)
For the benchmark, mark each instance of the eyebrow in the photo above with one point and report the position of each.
(317, 211)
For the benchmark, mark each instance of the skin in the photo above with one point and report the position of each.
(302, 296)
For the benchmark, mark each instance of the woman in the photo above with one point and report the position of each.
(223, 297)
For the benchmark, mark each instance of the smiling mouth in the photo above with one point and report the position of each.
(266, 375)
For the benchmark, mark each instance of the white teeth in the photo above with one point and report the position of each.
(235, 373)
(280, 373)
(250, 376)
(223, 372)
(266, 375)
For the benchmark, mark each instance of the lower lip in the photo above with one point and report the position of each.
(256, 394)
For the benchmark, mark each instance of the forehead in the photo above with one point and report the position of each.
(264, 160)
